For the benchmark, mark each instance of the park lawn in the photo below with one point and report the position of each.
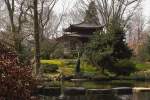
(68, 65)
(85, 67)
(58, 62)
(88, 68)
(143, 66)
(67, 71)
(68, 68)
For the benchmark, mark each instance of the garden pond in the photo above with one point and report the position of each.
(85, 90)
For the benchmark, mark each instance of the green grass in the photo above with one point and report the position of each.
(143, 66)
(58, 62)
(68, 68)
(70, 64)
(62, 64)
(87, 68)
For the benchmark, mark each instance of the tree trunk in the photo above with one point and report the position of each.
(16, 38)
(36, 36)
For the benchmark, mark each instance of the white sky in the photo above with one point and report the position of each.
(146, 8)
(70, 3)
(61, 3)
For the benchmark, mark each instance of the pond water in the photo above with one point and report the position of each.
(92, 97)
(134, 95)
(99, 84)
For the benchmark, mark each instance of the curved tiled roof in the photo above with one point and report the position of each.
(83, 27)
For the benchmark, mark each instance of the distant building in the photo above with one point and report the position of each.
(77, 35)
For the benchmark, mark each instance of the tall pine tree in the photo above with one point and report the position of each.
(91, 16)
(109, 50)
(120, 47)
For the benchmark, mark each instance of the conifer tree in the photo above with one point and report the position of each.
(109, 50)
(91, 14)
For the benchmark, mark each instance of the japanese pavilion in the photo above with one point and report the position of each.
(77, 35)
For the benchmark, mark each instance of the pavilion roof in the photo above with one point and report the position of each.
(84, 26)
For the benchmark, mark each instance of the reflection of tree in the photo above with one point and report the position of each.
(103, 97)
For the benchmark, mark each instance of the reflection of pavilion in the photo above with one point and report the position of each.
(78, 35)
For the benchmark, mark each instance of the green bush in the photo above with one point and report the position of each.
(70, 62)
(51, 49)
(124, 67)
(88, 68)
(141, 75)
(47, 68)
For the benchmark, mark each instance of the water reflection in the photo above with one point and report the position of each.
(101, 85)
(144, 95)
(92, 97)
(134, 96)
(141, 96)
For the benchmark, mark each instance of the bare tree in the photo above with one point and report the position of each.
(120, 10)
(41, 19)
(36, 36)
(17, 16)
(148, 26)
(136, 26)
(45, 14)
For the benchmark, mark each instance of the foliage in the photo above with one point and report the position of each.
(25, 55)
(99, 50)
(142, 54)
(143, 66)
(68, 71)
(59, 62)
(16, 80)
(91, 14)
(55, 61)
(68, 66)
(51, 49)
(141, 75)
(120, 48)
(50, 68)
(106, 49)
(124, 67)
(62, 65)
(144, 51)
(69, 62)
(87, 67)
(45, 49)
(148, 45)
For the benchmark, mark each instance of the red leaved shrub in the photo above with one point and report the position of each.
(16, 81)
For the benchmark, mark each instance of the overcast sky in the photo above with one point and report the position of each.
(146, 8)
(70, 3)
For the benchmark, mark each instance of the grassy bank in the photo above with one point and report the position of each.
(68, 68)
